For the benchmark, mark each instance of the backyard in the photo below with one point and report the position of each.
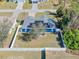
(47, 40)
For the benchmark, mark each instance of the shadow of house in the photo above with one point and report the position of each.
(43, 54)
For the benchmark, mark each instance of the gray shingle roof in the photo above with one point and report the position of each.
(27, 21)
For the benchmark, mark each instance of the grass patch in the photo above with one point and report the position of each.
(41, 14)
(47, 5)
(7, 41)
(5, 13)
(47, 40)
(22, 16)
(27, 6)
(49, 14)
(7, 5)
(75, 6)
(20, 54)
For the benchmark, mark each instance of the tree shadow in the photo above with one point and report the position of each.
(43, 54)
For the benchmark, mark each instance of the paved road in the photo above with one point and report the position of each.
(42, 10)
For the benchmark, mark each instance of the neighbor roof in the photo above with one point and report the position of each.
(27, 21)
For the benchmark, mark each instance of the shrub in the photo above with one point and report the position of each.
(71, 38)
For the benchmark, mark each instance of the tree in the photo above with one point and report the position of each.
(59, 11)
(5, 25)
(70, 24)
(64, 18)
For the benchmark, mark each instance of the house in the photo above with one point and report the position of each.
(31, 22)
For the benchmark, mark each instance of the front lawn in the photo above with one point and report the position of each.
(7, 5)
(6, 14)
(27, 6)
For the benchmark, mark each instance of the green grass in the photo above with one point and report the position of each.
(41, 14)
(5, 13)
(27, 6)
(7, 5)
(47, 5)
(75, 6)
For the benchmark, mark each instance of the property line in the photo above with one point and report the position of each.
(33, 49)
(14, 38)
